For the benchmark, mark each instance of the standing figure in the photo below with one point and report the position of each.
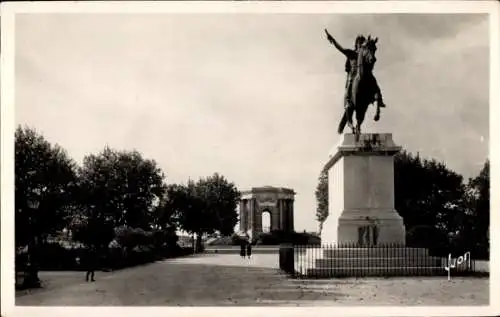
(249, 249)
(243, 248)
(91, 263)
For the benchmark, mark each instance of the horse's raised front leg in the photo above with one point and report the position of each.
(377, 113)
(350, 123)
(379, 104)
(357, 132)
(342, 123)
(360, 117)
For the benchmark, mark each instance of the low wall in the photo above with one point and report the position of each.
(230, 249)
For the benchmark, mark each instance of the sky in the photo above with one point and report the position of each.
(255, 97)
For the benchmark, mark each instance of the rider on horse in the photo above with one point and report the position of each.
(351, 68)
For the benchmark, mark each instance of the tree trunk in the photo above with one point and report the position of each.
(31, 278)
(193, 242)
(198, 242)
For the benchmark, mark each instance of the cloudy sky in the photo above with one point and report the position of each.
(256, 97)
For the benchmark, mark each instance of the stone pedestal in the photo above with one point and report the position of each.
(363, 234)
(361, 193)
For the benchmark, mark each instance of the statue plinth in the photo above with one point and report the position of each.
(361, 192)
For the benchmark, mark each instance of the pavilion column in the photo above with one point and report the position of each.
(281, 204)
(290, 211)
(257, 216)
(287, 215)
(278, 222)
(253, 220)
(275, 218)
(243, 216)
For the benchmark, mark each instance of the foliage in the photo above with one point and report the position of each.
(206, 206)
(60, 258)
(236, 240)
(165, 237)
(130, 238)
(163, 215)
(44, 180)
(220, 199)
(439, 210)
(420, 236)
(120, 196)
(472, 229)
(93, 232)
(278, 237)
(121, 186)
(322, 199)
(115, 196)
(186, 207)
(427, 193)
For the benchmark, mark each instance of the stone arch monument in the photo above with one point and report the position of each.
(277, 201)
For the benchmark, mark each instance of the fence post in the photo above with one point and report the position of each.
(280, 257)
(291, 259)
(286, 258)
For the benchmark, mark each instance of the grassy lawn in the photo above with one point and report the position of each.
(227, 279)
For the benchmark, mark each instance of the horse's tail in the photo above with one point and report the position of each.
(342, 123)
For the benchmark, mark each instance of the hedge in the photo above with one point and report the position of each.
(280, 237)
(55, 257)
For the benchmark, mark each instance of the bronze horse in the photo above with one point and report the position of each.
(364, 89)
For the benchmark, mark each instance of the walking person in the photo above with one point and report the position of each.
(249, 249)
(242, 248)
(91, 263)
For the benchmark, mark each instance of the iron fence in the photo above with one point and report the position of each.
(353, 260)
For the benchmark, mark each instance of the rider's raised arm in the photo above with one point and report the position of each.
(340, 48)
(337, 45)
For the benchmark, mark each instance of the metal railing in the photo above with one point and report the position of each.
(353, 260)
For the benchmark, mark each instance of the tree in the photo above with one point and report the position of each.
(164, 216)
(220, 199)
(187, 207)
(427, 194)
(121, 186)
(420, 236)
(322, 199)
(130, 238)
(472, 232)
(92, 232)
(45, 181)
(481, 215)
(206, 206)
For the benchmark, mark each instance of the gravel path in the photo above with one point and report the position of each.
(226, 279)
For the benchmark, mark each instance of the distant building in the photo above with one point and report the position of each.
(276, 201)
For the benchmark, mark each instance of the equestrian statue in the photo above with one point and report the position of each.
(361, 85)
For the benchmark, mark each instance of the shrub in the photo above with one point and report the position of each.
(93, 233)
(280, 237)
(430, 238)
(237, 239)
(165, 238)
(56, 257)
(130, 247)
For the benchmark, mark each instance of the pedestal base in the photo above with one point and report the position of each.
(381, 228)
(361, 193)
(357, 262)
(366, 233)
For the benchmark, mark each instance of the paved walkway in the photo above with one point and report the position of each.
(227, 279)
